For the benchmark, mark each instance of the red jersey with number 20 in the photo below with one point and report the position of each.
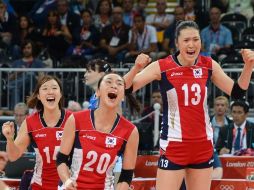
(95, 153)
(185, 113)
(46, 143)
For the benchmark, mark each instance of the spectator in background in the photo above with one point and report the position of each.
(58, 37)
(102, 15)
(142, 39)
(7, 30)
(239, 134)
(128, 12)
(69, 19)
(156, 98)
(89, 37)
(19, 81)
(161, 20)
(194, 14)
(219, 119)
(216, 38)
(25, 30)
(169, 34)
(20, 112)
(74, 106)
(114, 40)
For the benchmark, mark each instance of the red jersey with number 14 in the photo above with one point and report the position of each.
(95, 153)
(46, 143)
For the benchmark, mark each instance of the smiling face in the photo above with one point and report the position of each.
(50, 94)
(189, 45)
(111, 91)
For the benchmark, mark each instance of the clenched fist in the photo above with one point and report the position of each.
(248, 56)
(142, 61)
(8, 130)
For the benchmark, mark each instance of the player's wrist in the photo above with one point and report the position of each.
(67, 182)
(10, 139)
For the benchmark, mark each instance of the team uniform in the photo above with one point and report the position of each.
(46, 143)
(186, 135)
(95, 153)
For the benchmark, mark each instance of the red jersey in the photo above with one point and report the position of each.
(95, 153)
(46, 143)
(184, 92)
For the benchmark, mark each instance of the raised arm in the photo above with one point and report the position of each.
(139, 79)
(16, 148)
(129, 161)
(235, 89)
(63, 155)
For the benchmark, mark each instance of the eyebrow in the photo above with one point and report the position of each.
(119, 80)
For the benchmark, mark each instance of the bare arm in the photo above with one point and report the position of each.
(150, 73)
(220, 78)
(66, 146)
(16, 148)
(130, 156)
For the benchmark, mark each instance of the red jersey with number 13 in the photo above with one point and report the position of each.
(184, 91)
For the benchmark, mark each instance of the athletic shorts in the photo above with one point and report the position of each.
(187, 154)
(166, 164)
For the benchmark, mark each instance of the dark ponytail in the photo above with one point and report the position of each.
(134, 104)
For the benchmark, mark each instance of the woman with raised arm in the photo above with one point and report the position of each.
(43, 130)
(186, 140)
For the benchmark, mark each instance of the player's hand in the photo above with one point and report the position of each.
(8, 130)
(142, 61)
(3, 160)
(248, 56)
(224, 151)
(70, 185)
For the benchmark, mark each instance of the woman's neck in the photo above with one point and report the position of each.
(51, 117)
(104, 119)
(184, 62)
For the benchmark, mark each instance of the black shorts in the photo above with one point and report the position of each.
(166, 164)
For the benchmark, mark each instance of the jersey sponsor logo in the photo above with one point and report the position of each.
(40, 135)
(110, 141)
(89, 137)
(197, 73)
(176, 74)
(59, 135)
(211, 161)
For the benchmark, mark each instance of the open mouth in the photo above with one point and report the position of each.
(190, 52)
(50, 99)
(112, 95)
